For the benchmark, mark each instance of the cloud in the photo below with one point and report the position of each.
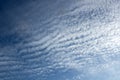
(81, 40)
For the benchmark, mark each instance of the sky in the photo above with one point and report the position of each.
(59, 40)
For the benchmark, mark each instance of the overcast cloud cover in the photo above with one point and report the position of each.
(59, 40)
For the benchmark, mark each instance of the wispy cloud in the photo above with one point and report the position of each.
(80, 39)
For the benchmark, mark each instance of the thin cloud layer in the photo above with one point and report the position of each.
(61, 40)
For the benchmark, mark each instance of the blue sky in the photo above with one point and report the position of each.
(59, 40)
